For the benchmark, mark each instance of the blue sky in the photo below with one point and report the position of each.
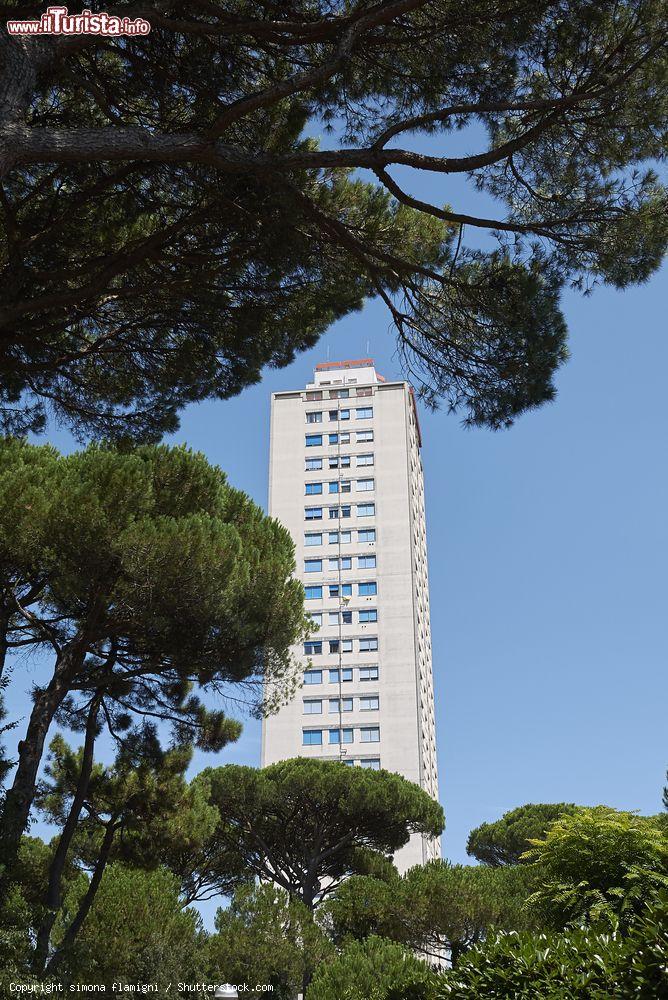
(548, 548)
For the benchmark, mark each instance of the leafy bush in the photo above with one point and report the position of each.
(645, 973)
(598, 864)
(579, 964)
(374, 969)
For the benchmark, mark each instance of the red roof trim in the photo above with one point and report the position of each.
(326, 366)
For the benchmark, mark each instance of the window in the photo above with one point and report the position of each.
(339, 461)
(344, 563)
(369, 704)
(367, 645)
(346, 617)
(346, 590)
(346, 485)
(333, 513)
(344, 537)
(313, 439)
(333, 618)
(368, 673)
(341, 645)
(313, 513)
(370, 734)
(364, 460)
(344, 414)
(366, 509)
(366, 535)
(313, 565)
(339, 393)
(312, 737)
(345, 511)
(312, 488)
(313, 538)
(315, 417)
(365, 390)
(373, 763)
(312, 648)
(333, 487)
(346, 675)
(346, 704)
(333, 414)
(363, 412)
(316, 618)
(312, 706)
(313, 677)
(366, 562)
(364, 485)
(313, 463)
(340, 736)
(369, 616)
(311, 397)
(367, 589)
(313, 593)
(362, 436)
(343, 438)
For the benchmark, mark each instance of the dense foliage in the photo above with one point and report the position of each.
(374, 969)
(435, 909)
(170, 223)
(267, 937)
(579, 964)
(146, 583)
(308, 824)
(505, 841)
(137, 931)
(598, 865)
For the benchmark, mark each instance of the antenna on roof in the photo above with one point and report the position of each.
(367, 348)
(328, 352)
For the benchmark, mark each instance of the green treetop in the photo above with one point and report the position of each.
(148, 580)
(434, 909)
(140, 810)
(308, 824)
(170, 223)
(598, 864)
(138, 930)
(505, 841)
(267, 937)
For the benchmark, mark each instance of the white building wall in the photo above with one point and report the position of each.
(404, 687)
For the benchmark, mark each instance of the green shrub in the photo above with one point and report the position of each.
(374, 969)
(578, 965)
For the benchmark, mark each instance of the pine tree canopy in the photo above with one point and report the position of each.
(308, 824)
(171, 223)
(146, 582)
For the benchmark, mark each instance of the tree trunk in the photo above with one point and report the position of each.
(5, 618)
(20, 797)
(457, 949)
(87, 901)
(53, 896)
(17, 85)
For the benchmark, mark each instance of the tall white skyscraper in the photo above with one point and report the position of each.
(346, 479)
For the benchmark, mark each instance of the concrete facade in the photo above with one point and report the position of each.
(346, 480)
